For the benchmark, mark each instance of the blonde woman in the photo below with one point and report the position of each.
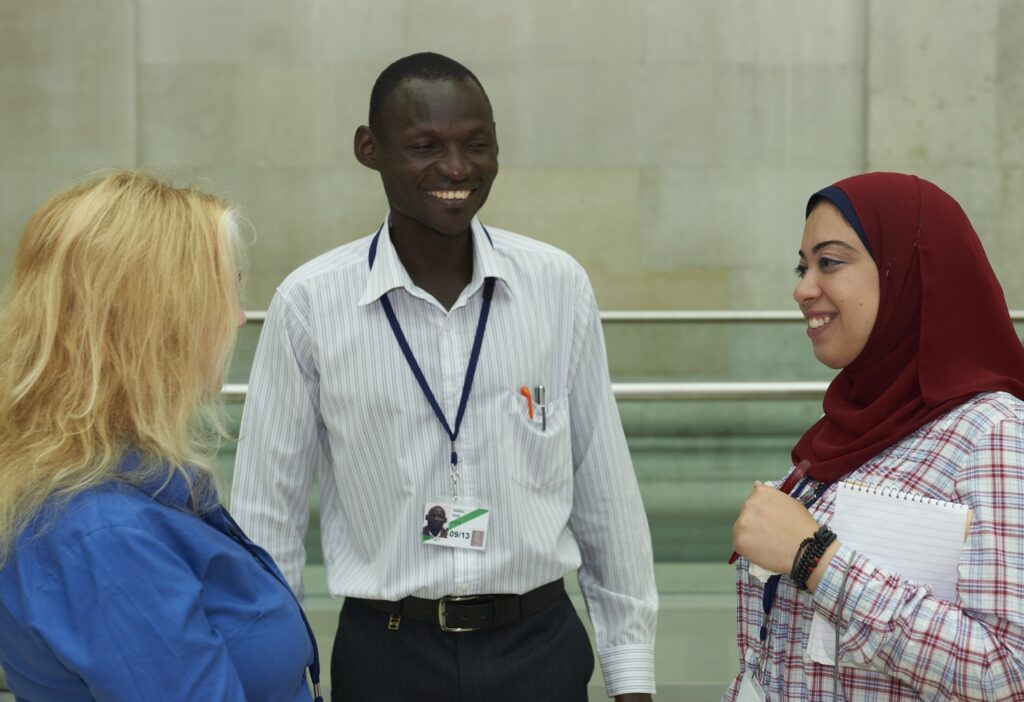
(121, 577)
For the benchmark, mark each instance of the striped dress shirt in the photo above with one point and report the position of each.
(332, 397)
(907, 643)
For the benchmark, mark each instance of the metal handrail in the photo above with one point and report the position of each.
(703, 316)
(796, 390)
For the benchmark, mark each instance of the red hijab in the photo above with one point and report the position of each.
(943, 333)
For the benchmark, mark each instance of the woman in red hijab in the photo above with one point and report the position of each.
(899, 295)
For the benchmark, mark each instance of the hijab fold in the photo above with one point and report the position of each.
(942, 335)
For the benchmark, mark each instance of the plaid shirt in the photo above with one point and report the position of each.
(917, 646)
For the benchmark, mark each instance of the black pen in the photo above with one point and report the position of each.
(538, 394)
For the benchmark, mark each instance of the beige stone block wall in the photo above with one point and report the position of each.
(669, 145)
(946, 101)
(67, 102)
(67, 106)
(781, 32)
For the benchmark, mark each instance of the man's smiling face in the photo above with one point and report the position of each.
(436, 519)
(436, 152)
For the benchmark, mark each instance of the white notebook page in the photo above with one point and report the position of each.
(916, 537)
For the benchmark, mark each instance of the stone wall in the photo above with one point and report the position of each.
(668, 144)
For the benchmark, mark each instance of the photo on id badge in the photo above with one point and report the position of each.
(461, 525)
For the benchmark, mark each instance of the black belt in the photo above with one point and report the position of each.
(471, 612)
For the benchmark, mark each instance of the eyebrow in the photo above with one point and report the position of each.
(422, 127)
(830, 242)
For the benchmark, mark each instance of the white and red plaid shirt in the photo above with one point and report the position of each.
(917, 646)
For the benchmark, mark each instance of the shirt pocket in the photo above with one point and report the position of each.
(541, 450)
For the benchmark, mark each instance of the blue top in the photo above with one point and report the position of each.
(127, 596)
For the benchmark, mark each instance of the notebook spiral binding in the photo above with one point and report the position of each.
(896, 493)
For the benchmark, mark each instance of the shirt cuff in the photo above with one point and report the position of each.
(628, 669)
(830, 586)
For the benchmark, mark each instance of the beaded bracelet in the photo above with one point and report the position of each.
(803, 567)
(808, 561)
(799, 554)
(803, 555)
(809, 554)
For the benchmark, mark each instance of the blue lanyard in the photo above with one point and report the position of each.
(771, 587)
(474, 355)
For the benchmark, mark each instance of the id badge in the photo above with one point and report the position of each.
(750, 689)
(462, 525)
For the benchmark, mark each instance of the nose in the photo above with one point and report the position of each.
(806, 289)
(453, 164)
(240, 319)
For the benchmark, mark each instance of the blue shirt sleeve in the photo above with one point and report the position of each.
(122, 609)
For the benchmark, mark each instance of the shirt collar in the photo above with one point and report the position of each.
(388, 272)
(173, 488)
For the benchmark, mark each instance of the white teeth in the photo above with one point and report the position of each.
(815, 322)
(450, 194)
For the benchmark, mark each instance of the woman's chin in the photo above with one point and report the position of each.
(829, 360)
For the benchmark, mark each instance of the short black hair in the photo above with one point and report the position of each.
(426, 66)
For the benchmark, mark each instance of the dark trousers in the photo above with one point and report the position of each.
(545, 657)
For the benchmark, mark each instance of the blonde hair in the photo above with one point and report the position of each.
(116, 328)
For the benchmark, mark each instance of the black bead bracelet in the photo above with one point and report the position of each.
(809, 554)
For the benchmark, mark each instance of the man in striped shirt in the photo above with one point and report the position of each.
(441, 363)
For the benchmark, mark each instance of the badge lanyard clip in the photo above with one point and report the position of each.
(455, 474)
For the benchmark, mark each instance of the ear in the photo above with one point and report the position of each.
(364, 146)
(494, 126)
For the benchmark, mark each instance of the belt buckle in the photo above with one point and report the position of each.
(442, 613)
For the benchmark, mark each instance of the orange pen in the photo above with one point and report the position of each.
(525, 392)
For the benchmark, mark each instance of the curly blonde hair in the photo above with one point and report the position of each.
(116, 329)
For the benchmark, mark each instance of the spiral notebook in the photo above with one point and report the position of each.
(920, 538)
